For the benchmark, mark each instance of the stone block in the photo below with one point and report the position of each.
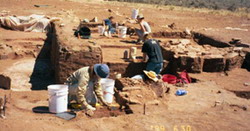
(190, 64)
(233, 60)
(214, 64)
(5, 82)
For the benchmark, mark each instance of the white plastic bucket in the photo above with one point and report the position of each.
(122, 31)
(135, 13)
(133, 52)
(101, 30)
(58, 98)
(108, 89)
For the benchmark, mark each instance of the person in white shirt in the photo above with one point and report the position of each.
(144, 28)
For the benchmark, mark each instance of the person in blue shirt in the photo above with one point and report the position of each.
(109, 25)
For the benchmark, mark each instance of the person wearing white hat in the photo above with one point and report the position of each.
(84, 85)
(144, 28)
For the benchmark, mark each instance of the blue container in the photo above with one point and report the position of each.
(181, 92)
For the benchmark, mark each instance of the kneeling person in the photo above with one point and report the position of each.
(84, 85)
(152, 49)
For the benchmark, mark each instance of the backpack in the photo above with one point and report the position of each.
(172, 79)
(184, 77)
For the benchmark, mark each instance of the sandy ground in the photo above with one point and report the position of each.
(209, 104)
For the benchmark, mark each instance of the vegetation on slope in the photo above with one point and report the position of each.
(232, 5)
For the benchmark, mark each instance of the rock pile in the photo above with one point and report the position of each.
(197, 58)
(133, 91)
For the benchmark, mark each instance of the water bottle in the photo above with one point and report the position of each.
(181, 92)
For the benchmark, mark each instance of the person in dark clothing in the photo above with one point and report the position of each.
(108, 25)
(152, 49)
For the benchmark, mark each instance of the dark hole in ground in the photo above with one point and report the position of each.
(242, 94)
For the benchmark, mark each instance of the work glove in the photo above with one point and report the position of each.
(76, 106)
(102, 101)
(89, 107)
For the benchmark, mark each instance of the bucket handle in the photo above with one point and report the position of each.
(59, 94)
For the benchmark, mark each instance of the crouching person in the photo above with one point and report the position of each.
(85, 88)
(144, 28)
(151, 49)
(109, 27)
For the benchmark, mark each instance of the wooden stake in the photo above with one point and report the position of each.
(4, 105)
(144, 109)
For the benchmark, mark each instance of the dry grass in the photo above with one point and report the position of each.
(243, 12)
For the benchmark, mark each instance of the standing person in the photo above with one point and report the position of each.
(152, 49)
(84, 85)
(144, 28)
(108, 26)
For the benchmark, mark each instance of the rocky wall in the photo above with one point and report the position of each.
(69, 54)
(195, 58)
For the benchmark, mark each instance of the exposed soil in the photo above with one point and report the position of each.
(218, 101)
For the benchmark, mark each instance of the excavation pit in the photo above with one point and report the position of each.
(180, 53)
(194, 53)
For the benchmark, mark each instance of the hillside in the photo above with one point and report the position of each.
(232, 5)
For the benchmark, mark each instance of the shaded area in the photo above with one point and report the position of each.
(171, 67)
(128, 41)
(43, 74)
(242, 94)
(202, 39)
(246, 63)
(41, 109)
(134, 69)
